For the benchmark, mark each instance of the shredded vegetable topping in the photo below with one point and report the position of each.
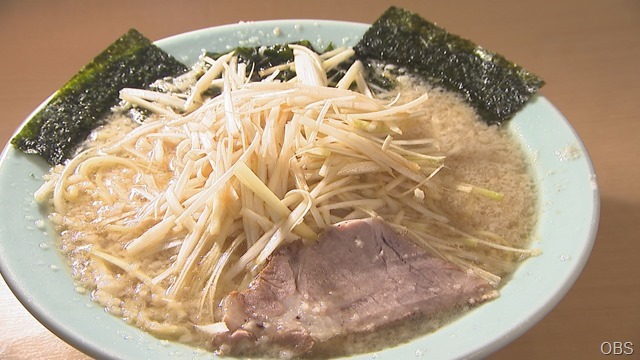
(214, 185)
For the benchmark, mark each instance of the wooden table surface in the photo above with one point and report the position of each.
(587, 51)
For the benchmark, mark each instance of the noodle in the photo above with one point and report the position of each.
(168, 216)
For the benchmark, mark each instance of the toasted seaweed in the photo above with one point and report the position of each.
(495, 86)
(81, 104)
(259, 58)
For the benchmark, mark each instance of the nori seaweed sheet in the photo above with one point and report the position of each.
(259, 58)
(80, 105)
(495, 86)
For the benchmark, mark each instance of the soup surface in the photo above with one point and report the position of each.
(150, 248)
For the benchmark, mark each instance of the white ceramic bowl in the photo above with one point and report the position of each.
(569, 212)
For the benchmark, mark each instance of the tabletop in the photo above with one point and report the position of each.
(587, 51)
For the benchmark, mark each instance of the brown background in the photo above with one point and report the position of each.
(587, 51)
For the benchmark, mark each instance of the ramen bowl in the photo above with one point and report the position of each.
(568, 213)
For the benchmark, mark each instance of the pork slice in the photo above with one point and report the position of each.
(360, 276)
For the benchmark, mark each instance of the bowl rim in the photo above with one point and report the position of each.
(43, 315)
